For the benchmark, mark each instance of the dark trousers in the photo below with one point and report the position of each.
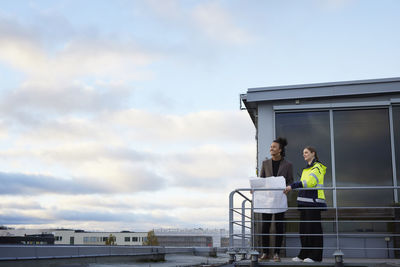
(315, 239)
(262, 230)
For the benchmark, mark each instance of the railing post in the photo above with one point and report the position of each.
(231, 219)
(338, 258)
(243, 223)
(252, 226)
(254, 258)
(337, 228)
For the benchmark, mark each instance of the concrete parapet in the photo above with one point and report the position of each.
(54, 255)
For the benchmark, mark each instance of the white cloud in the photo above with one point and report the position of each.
(334, 5)
(207, 126)
(170, 9)
(218, 24)
(77, 75)
(71, 141)
(210, 167)
(79, 57)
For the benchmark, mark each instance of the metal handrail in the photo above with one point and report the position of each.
(249, 237)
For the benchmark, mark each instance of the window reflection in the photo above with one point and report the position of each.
(363, 156)
(306, 129)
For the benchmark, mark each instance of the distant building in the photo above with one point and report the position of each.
(40, 239)
(166, 237)
(193, 236)
(185, 241)
(79, 237)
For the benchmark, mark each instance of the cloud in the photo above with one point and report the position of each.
(17, 183)
(131, 150)
(207, 18)
(17, 219)
(74, 58)
(202, 126)
(209, 168)
(87, 156)
(169, 9)
(218, 24)
(16, 203)
(32, 184)
(334, 5)
(81, 74)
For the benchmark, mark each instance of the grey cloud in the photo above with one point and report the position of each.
(140, 179)
(21, 219)
(71, 99)
(21, 206)
(17, 183)
(13, 30)
(86, 154)
(23, 184)
(102, 216)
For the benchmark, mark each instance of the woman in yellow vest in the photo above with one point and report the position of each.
(311, 203)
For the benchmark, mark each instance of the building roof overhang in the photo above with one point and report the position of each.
(317, 90)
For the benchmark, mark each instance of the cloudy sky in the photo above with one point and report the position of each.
(124, 115)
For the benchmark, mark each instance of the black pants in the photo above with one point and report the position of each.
(315, 239)
(262, 230)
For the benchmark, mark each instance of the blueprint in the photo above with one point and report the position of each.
(271, 201)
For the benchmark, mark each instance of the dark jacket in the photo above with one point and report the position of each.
(285, 170)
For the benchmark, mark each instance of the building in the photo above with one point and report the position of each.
(198, 237)
(355, 127)
(168, 237)
(41, 239)
(185, 241)
(79, 237)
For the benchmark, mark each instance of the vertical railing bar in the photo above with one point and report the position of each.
(395, 192)
(333, 162)
(231, 218)
(252, 226)
(243, 222)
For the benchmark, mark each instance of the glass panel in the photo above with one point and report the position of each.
(363, 156)
(303, 129)
(396, 129)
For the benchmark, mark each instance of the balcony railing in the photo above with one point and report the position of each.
(336, 219)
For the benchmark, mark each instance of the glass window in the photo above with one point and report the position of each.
(396, 129)
(303, 129)
(363, 156)
(127, 239)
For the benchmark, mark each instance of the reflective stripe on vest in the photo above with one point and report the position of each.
(316, 178)
(311, 200)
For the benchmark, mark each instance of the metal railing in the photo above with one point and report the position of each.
(337, 240)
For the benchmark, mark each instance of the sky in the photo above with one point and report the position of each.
(124, 114)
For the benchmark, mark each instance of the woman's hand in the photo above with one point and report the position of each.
(287, 189)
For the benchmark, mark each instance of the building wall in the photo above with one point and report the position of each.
(265, 132)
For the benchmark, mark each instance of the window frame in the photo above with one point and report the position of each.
(277, 109)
